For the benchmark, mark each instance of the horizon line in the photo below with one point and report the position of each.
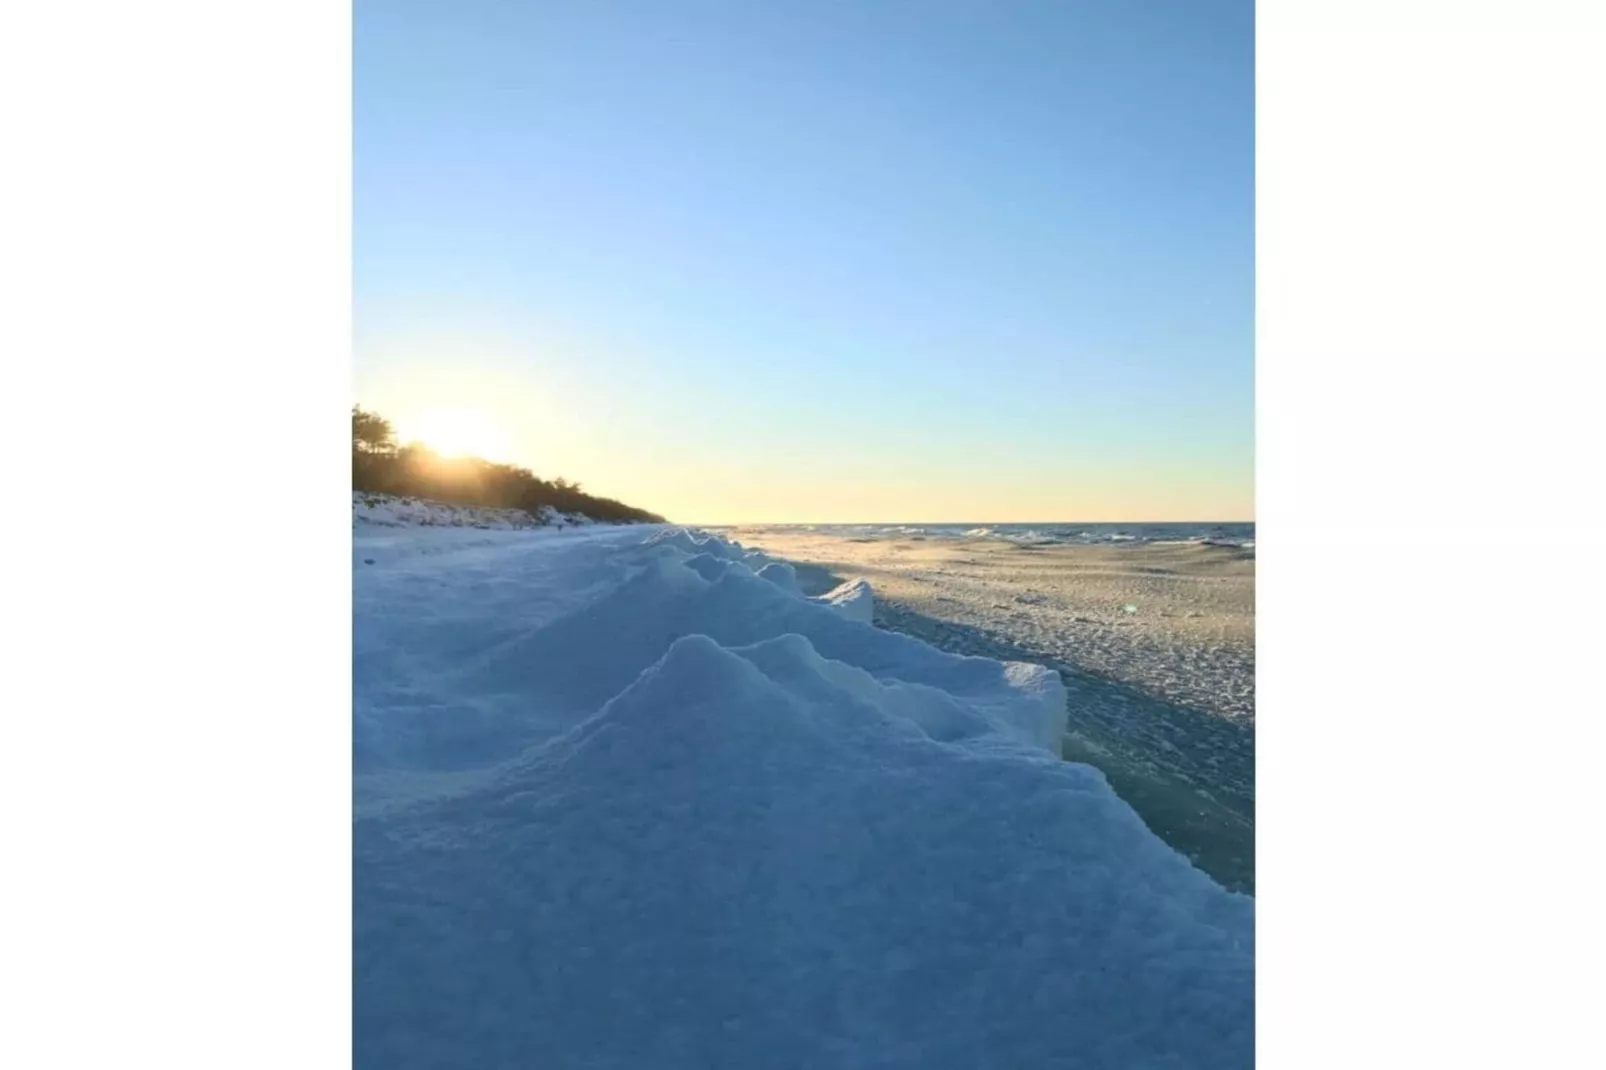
(959, 523)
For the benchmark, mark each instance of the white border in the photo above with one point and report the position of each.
(1430, 295)
(176, 256)
(175, 263)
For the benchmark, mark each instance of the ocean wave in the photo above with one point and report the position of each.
(1232, 535)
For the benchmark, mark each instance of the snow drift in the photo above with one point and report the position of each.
(630, 799)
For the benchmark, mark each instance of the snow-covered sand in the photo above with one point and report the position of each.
(1161, 698)
(631, 797)
(392, 511)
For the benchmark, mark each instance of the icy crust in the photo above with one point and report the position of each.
(695, 819)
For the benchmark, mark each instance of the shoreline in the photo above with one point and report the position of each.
(1161, 701)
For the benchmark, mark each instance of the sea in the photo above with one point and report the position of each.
(1042, 534)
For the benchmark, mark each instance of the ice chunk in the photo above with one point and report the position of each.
(853, 600)
(782, 575)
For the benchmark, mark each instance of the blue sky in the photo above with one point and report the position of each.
(827, 261)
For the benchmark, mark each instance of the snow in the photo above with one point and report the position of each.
(782, 575)
(391, 511)
(625, 798)
(561, 519)
(853, 599)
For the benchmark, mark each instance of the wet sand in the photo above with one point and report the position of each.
(1155, 643)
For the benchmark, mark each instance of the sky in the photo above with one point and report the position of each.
(829, 261)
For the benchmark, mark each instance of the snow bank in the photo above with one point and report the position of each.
(625, 801)
(560, 519)
(390, 511)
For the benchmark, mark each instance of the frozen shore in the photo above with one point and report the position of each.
(632, 797)
(1161, 697)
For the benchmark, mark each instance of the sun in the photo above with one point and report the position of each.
(459, 433)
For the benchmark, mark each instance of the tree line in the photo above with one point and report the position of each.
(380, 466)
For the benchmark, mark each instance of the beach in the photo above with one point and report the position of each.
(1154, 640)
(637, 789)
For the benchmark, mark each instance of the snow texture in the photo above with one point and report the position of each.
(624, 798)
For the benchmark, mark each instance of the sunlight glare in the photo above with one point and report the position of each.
(459, 433)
